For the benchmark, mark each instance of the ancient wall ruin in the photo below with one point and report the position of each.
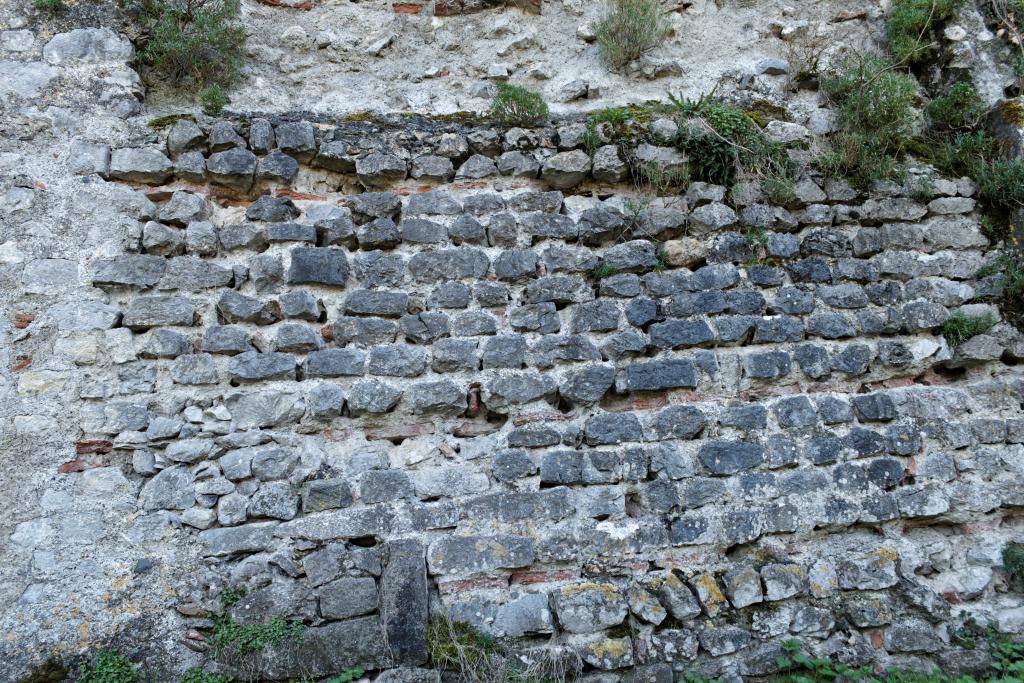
(358, 372)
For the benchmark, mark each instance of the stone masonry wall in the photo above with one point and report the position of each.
(374, 371)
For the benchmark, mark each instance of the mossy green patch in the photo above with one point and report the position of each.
(169, 120)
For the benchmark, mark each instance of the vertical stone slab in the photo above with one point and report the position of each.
(403, 602)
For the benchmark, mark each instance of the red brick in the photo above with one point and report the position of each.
(101, 446)
(473, 401)
(191, 610)
(849, 15)
(642, 403)
(768, 392)
(22, 363)
(81, 465)
(545, 576)
(406, 8)
(23, 320)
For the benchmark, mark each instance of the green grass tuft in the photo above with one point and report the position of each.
(230, 637)
(49, 5)
(874, 103)
(107, 667)
(960, 108)
(213, 100)
(195, 675)
(960, 327)
(912, 27)
(513, 105)
(194, 41)
(629, 29)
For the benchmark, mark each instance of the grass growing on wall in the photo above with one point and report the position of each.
(874, 102)
(725, 143)
(192, 42)
(629, 29)
(912, 27)
(514, 105)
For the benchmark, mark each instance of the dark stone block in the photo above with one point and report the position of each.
(404, 601)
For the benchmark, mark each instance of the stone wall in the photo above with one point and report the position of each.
(376, 370)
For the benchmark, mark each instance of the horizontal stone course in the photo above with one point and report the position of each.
(661, 452)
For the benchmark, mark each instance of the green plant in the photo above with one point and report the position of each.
(107, 667)
(213, 100)
(613, 115)
(658, 179)
(516, 106)
(755, 237)
(195, 675)
(875, 113)
(662, 263)
(229, 597)
(779, 189)
(604, 270)
(1001, 183)
(453, 643)
(1013, 562)
(960, 327)
(591, 138)
(479, 658)
(231, 638)
(923, 189)
(1009, 266)
(959, 108)
(628, 29)
(722, 142)
(912, 26)
(348, 675)
(192, 40)
(49, 5)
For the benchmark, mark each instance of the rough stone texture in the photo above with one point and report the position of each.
(364, 407)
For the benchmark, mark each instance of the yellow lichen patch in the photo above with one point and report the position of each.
(1012, 112)
(709, 592)
(608, 590)
(613, 649)
(887, 554)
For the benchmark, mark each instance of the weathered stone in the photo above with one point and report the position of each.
(251, 365)
(566, 169)
(589, 607)
(170, 489)
(477, 554)
(233, 169)
(140, 165)
(728, 457)
(159, 311)
(318, 265)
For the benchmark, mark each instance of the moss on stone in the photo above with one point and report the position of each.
(169, 120)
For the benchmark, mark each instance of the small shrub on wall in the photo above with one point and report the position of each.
(195, 41)
(874, 103)
(516, 106)
(629, 29)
